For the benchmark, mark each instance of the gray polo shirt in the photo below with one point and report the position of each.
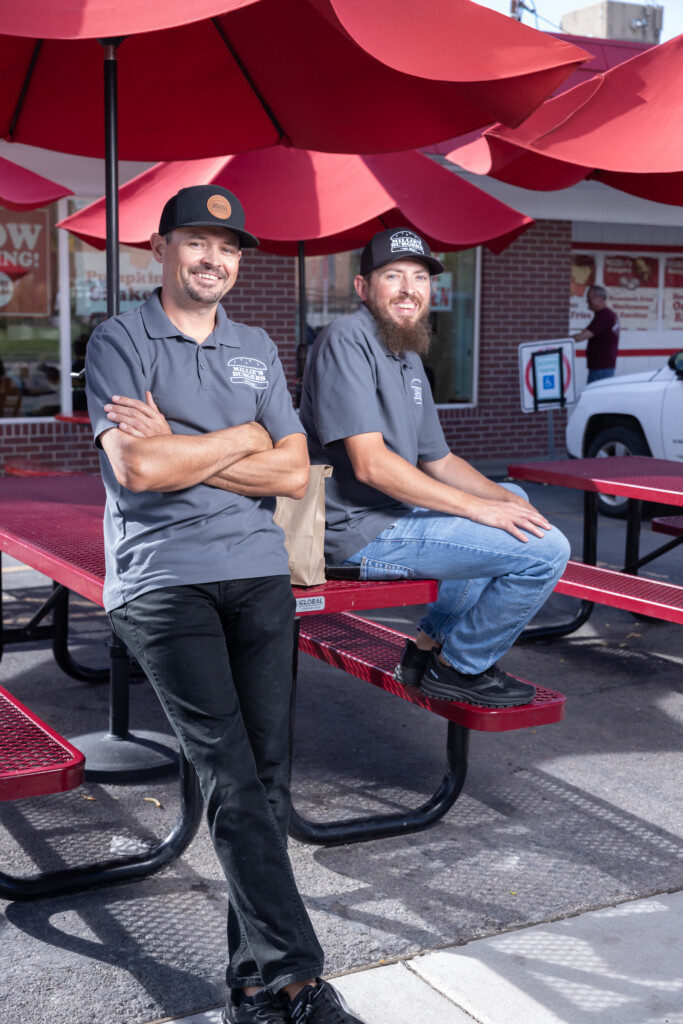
(200, 534)
(354, 385)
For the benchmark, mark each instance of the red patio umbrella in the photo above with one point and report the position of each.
(616, 128)
(330, 201)
(21, 189)
(260, 72)
(333, 75)
(300, 202)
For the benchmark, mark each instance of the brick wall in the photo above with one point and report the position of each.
(54, 445)
(525, 297)
(265, 296)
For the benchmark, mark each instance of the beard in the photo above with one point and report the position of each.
(400, 338)
(206, 298)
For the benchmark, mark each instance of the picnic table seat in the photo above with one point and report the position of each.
(370, 651)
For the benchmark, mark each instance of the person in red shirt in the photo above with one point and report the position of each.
(602, 335)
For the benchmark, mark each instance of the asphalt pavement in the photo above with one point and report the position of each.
(551, 892)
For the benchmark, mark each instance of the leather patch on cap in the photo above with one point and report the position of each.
(218, 206)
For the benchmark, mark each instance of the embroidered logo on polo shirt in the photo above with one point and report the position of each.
(248, 371)
(416, 385)
(406, 241)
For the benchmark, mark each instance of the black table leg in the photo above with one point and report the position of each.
(123, 869)
(399, 823)
(120, 755)
(60, 644)
(590, 548)
(380, 826)
(633, 522)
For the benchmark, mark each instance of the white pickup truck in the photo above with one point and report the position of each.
(635, 414)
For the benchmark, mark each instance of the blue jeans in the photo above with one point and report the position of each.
(599, 375)
(491, 584)
(219, 656)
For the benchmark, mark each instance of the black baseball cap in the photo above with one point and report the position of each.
(206, 206)
(396, 244)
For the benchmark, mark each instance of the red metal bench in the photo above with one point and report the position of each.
(370, 651)
(622, 590)
(673, 525)
(34, 759)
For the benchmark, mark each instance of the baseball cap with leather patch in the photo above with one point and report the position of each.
(397, 244)
(206, 206)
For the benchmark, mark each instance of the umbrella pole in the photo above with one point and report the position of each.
(302, 347)
(111, 172)
(301, 258)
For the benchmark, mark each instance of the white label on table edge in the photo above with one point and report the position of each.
(310, 604)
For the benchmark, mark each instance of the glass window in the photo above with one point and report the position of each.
(139, 275)
(451, 364)
(452, 358)
(29, 314)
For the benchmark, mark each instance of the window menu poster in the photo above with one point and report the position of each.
(672, 308)
(139, 275)
(583, 276)
(632, 284)
(24, 263)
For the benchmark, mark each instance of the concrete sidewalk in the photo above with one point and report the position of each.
(621, 965)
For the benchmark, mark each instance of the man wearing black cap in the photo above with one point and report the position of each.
(401, 504)
(197, 437)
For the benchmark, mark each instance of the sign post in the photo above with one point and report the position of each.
(547, 379)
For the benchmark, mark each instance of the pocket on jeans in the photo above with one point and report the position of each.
(374, 569)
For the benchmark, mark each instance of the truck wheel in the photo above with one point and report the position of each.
(616, 441)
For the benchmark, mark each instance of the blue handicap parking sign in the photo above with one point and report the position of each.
(548, 381)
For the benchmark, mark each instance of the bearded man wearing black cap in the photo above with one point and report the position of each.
(400, 504)
(197, 436)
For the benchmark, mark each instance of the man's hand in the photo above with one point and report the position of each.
(514, 516)
(139, 419)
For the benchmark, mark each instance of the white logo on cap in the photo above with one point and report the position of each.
(248, 371)
(406, 241)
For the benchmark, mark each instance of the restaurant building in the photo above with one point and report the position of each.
(52, 295)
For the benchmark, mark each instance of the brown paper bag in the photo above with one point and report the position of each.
(304, 524)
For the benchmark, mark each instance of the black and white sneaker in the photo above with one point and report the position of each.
(262, 1008)
(492, 688)
(321, 1004)
(412, 665)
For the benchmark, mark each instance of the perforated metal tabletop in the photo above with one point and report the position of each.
(54, 525)
(632, 476)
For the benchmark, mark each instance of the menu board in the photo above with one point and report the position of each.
(632, 284)
(583, 276)
(672, 307)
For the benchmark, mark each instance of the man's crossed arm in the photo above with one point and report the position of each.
(446, 485)
(147, 456)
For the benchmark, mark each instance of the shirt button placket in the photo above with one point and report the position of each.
(203, 369)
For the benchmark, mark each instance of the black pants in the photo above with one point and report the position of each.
(219, 656)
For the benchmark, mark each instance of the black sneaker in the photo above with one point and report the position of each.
(320, 1005)
(262, 1008)
(492, 688)
(412, 665)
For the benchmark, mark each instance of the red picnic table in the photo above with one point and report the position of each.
(73, 417)
(638, 478)
(54, 524)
